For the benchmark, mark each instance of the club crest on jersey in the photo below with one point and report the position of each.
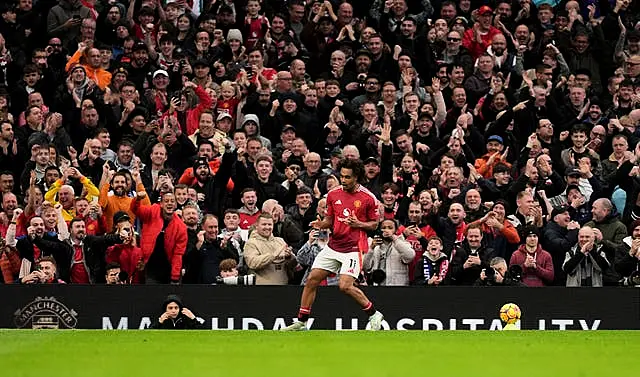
(357, 204)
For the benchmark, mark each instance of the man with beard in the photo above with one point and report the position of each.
(37, 244)
(86, 253)
(298, 75)
(163, 239)
(371, 92)
(66, 193)
(190, 266)
(119, 201)
(504, 61)
(470, 257)
(9, 150)
(140, 65)
(212, 188)
(259, 103)
(473, 205)
(451, 228)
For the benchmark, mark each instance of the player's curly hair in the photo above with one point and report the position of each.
(356, 166)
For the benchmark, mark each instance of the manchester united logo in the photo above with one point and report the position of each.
(357, 204)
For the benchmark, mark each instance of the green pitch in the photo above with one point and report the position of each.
(317, 353)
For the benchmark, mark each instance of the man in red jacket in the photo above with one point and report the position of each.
(478, 38)
(537, 265)
(163, 240)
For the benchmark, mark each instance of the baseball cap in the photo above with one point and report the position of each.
(633, 35)
(461, 20)
(223, 115)
(371, 159)
(426, 115)
(485, 9)
(202, 161)
(121, 216)
(139, 46)
(571, 171)
(200, 63)
(559, 210)
(288, 127)
(530, 230)
(495, 138)
(364, 52)
(160, 72)
(573, 187)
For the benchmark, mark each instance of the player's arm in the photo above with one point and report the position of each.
(322, 223)
(369, 226)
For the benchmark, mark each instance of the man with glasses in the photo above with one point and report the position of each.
(313, 176)
(454, 52)
(371, 92)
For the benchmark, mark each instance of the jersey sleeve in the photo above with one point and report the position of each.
(372, 209)
(330, 210)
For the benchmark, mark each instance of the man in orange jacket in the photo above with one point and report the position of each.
(89, 59)
(496, 153)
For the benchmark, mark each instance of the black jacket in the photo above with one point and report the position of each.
(94, 248)
(49, 245)
(460, 275)
(182, 322)
(557, 241)
(209, 257)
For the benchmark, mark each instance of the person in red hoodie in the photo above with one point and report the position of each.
(163, 239)
(128, 255)
(537, 265)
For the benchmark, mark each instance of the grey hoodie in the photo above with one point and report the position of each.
(254, 118)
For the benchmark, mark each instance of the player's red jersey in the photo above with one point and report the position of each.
(340, 205)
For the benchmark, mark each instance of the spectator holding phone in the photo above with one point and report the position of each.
(46, 272)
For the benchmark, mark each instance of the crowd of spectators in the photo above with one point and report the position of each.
(180, 141)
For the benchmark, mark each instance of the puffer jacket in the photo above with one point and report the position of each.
(262, 256)
(393, 258)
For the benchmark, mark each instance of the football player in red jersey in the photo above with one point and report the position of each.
(352, 210)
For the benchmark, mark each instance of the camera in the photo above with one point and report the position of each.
(490, 274)
(237, 280)
(632, 280)
(376, 277)
(362, 78)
